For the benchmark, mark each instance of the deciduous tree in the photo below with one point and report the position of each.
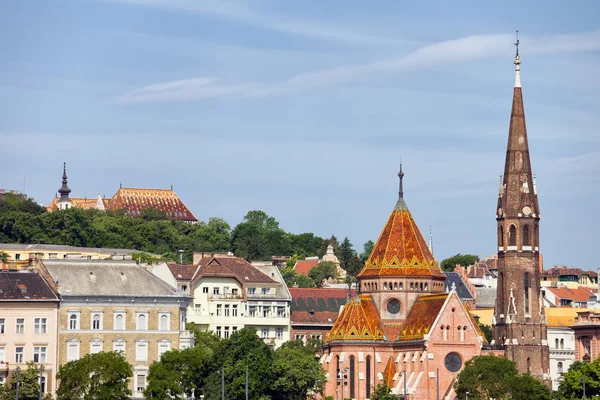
(323, 271)
(459, 259)
(571, 386)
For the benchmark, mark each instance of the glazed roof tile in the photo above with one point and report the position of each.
(401, 249)
(317, 306)
(76, 202)
(133, 200)
(422, 316)
(359, 320)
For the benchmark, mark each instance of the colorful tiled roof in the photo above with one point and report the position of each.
(401, 249)
(76, 202)
(389, 372)
(132, 201)
(317, 306)
(580, 294)
(422, 316)
(359, 320)
(304, 266)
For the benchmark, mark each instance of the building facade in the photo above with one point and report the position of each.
(28, 325)
(520, 324)
(587, 335)
(117, 306)
(230, 294)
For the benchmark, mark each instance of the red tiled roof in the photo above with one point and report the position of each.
(183, 272)
(581, 294)
(558, 271)
(478, 270)
(232, 267)
(317, 306)
(76, 202)
(422, 315)
(132, 201)
(358, 321)
(304, 266)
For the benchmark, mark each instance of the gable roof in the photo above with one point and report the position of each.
(133, 200)
(304, 266)
(182, 272)
(359, 320)
(580, 294)
(317, 306)
(76, 202)
(231, 266)
(25, 286)
(422, 316)
(558, 271)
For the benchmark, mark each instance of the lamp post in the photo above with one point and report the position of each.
(180, 256)
(467, 396)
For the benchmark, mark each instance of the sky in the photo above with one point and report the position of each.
(304, 109)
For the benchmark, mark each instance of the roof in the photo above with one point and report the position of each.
(562, 317)
(389, 372)
(317, 306)
(558, 271)
(485, 315)
(479, 270)
(358, 320)
(183, 272)
(63, 248)
(485, 297)
(461, 288)
(76, 202)
(401, 249)
(133, 200)
(231, 266)
(106, 278)
(580, 294)
(422, 316)
(25, 286)
(304, 266)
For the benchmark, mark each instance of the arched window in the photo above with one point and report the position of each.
(556, 343)
(526, 237)
(526, 287)
(562, 343)
(395, 285)
(500, 236)
(512, 236)
(559, 367)
(421, 286)
(142, 322)
(96, 321)
(390, 286)
(536, 238)
(425, 286)
(73, 322)
(119, 322)
(411, 286)
(461, 334)
(501, 290)
(352, 377)
(164, 322)
(337, 367)
(401, 286)
(368, 377)
(528, 365)
(384, 285)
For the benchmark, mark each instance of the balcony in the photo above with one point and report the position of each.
(225, 296)
(186, 339)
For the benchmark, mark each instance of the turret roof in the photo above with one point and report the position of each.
(359, 320)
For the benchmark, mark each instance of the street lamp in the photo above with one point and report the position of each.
(467, 396)
(180, 256)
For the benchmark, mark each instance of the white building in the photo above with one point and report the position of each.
(231, 294)
(561, 340)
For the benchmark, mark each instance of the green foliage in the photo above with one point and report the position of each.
(485, 377)
(292, 278)
(3, 257)
(297, 373)
(29, 385)
(323, 271)
(487, 331)
(571, 386)
(458, 259)
(383, 392)
(349, 260)
(290, 262)
(367, 249)
(103, 375)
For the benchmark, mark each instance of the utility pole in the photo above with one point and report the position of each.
(41, 370)
(17, 383)
(246, 381)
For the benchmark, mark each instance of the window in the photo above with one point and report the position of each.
(219, 309)
(39, 326)
(266, 311)
(95, 346)
(234, 291)
(556, 343)
(119, 321)
(352, 367)
(164, 322)
(20, 326)
(512, 236)
(74, 321)
(279, 333)
(97, 322)
(141, 350)
(43, 384)
(39, 354)
(17, 256)
(368, 376)
(226, 332)
(142, 321)
(205, 289)
(252, 311)
(2, 354)
(18, 354)
(2, 326)
(299, 336)
(227, 310)
(526, 237)
(218, 331)
(500, 236)
(119, 345)
(215, 290)
(234, 310)
(265, 333)
(251, 290)
(265, 290)
(526, 289)
(73, 350)
(281, 311)
(562, 343)
(163, 347)
(559, 367)
(141, 382)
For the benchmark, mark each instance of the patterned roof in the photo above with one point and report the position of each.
(422, 315)
(401, 249)
(132, 201)
(76, 202)
(317, 306)
(359, 320)
(389, 372)
(304, 266)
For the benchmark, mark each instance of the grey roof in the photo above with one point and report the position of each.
(25, 286)
(486, 297)
(462, 290)
(106, 278)
(57, 247)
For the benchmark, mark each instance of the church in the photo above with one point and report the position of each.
(404, 329)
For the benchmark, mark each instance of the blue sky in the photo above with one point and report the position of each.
(304, 108)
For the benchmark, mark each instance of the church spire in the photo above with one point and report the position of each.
(401, 205)
(517, 64)
(64, 189)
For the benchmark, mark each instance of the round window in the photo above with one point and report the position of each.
(393, 306)
(453, 362)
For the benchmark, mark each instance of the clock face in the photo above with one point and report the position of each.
(453, 362)
(526, 210)
(393, 306)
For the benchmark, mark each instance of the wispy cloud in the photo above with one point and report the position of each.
(241, 14)
(441, 53)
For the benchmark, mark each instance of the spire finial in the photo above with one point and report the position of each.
(64, 189)
(401, 176)
(430, 240)
(517, 64)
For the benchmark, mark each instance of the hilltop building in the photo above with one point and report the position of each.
(403, 327)
(520, 327)
(304, 266)
(131, 200)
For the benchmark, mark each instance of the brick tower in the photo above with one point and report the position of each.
(520, 327)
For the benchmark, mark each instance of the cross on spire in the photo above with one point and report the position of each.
(401, 176)
(517, 44)
(517, 64)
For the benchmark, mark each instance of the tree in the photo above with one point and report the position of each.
(367, 249)
(459, 259)
(349, 260)
(571, 386)
(383, 392)
(103, 375)
(29, 384)
(292, 278)
(3, 257)
(323, 271)
(297, 373)
(487, 331)
(487, 377)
